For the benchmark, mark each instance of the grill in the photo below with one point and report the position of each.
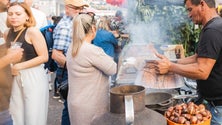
(134, 67)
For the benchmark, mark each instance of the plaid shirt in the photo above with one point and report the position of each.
(62, 34)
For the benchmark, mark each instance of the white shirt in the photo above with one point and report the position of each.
(3, 17)
(3, 27)
(40, 17)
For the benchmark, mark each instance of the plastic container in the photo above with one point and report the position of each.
(207, 122)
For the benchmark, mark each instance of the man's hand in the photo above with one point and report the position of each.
(59, 57)
(162, 66)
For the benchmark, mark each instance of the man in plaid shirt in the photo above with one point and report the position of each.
(62, 37)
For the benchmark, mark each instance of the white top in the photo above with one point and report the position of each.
(88, 74)
(3, 17)
(40, 17)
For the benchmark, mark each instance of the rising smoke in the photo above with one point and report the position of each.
(156, 21)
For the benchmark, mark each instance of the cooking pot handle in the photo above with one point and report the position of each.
(168, 102)
(129, 109)
(185, 96)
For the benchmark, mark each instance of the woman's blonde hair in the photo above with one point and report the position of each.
(104, 23)
(30, 22)
(82, 25)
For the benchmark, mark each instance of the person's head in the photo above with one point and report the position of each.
(198, 10)
(19, 14)
(119, 14)
(220, 13)
(29, 2)
(73, 7)
(84, 27)
(56, 19)
(3, 5)
(104, 23)
(210, 3)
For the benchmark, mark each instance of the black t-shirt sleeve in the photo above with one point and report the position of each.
(210, 44)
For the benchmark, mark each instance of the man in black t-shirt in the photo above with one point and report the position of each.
(206, 65)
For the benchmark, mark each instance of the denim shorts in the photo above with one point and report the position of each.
(5, 118)
(216, 112)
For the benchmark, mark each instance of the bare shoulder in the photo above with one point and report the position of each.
(33, 31)
(32, 34)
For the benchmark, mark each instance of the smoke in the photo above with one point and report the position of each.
(157, 22)
(142, 32)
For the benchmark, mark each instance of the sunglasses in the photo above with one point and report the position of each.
(90, 14)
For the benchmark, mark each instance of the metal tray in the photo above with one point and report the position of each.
(154, 81)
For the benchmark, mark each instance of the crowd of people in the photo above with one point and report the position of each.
(28, 90)
(86, 53)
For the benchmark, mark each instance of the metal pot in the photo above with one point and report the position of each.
(127, 107)
(127, 99)
(120, 93)
(158, 98)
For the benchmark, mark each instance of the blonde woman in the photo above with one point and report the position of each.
(29, 96)
(88, 71)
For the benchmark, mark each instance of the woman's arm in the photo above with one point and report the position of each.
(34, 36)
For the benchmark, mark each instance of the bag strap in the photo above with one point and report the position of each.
(19, 34)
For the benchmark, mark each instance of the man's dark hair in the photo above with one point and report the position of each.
(220, 13)
(210, 3)
(119, 13)
(56, 19)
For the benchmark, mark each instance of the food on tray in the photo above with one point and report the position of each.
(188, 113)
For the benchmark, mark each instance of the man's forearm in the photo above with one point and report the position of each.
(59, 57)
(188, 60)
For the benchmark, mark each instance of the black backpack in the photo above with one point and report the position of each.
(47, 32)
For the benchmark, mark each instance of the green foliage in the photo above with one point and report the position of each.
(173, 21)
(190, 34)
